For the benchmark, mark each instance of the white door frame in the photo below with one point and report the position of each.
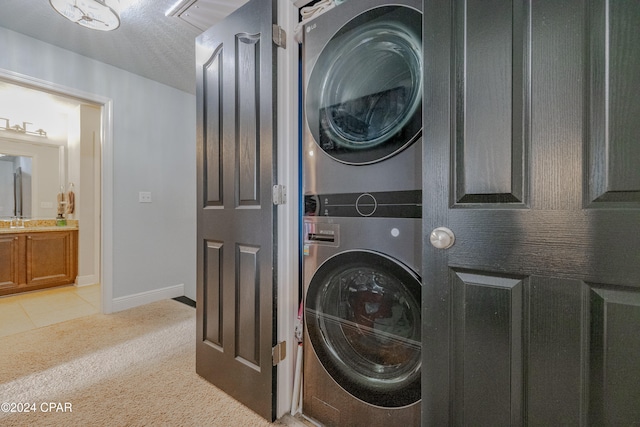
(106, 170)
(288, 214)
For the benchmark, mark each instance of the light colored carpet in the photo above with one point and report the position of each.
(132, 368)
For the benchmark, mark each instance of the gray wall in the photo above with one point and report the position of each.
(153, 150)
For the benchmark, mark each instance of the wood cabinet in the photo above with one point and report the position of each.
(36, 260)
(9, 253)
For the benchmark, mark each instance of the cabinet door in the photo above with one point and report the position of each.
(51, 258)
(8, 262)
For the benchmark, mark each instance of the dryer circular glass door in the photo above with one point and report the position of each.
(364, 95)
(362, 312)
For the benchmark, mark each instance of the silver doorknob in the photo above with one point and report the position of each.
(442, 238)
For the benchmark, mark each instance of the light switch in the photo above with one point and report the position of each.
(144, 197)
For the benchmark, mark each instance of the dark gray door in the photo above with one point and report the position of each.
(532, 159)
(236, 217)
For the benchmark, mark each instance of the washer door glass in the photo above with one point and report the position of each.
(362, 313)
(364, 96)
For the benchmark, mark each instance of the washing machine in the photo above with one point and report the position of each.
(363, 98)
(362, 175)
(362, 345)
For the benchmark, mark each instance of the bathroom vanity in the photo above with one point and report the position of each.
(38, 255)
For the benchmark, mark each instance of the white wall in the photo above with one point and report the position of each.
(83, 148)
(153, 150)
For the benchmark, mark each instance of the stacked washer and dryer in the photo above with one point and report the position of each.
(362, 174)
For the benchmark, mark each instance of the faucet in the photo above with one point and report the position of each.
(17, 222)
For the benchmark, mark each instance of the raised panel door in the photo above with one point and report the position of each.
(531, 158)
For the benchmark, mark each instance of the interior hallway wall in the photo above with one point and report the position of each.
(83, 167)
(153, 150)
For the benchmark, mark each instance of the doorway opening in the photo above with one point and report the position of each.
(85, 161)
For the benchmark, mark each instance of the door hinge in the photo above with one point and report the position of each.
(279, 36)
(279, 352)
(279, 195)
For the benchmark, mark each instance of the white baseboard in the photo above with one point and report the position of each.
(130, 301)
(90, 279)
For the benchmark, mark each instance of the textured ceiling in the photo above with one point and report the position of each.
(147, 43)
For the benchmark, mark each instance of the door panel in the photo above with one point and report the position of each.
(487, 323)
(248, 304)
(614, 348)
(236, 217)
(211, 136)
(489, 88)
(248, 138)
(531, 317)
(212, 293)
(614, 61)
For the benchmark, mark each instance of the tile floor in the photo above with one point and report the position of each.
(20, 313)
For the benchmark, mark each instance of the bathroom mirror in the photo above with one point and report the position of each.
(15, 186)
(30, 177)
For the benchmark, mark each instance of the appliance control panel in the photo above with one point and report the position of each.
(385, 204)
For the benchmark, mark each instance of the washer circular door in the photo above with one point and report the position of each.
(362, 312)
(364, 95)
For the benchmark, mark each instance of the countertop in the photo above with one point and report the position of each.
(37, 226)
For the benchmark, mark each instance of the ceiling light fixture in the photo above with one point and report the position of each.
(94, 14)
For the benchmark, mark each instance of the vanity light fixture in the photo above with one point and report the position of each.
(93, 14)
(22, 129)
